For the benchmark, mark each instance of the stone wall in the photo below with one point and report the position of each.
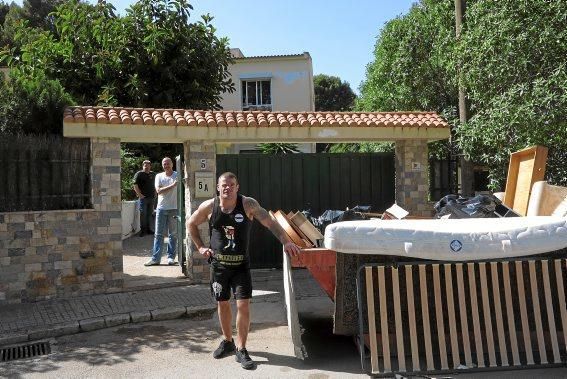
(48, 254)
(412, 177)
(195, 152)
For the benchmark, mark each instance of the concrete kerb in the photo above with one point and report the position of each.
(95, 323)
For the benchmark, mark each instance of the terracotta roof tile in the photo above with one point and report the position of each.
(211, 119)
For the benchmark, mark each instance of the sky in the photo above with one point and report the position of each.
(339, 35)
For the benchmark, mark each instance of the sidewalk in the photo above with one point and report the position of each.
(52, 318)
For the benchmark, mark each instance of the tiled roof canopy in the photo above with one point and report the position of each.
(177, 125)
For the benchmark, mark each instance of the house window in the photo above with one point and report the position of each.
(256, 95)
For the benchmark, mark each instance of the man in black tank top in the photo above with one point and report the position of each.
(230, 218)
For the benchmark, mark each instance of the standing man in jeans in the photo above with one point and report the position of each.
(165, 184)
(144, 188)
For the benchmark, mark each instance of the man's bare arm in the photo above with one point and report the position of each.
(253, 208)
(198, 217)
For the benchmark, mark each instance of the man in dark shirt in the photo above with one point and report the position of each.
(146, 192)
(230, 217)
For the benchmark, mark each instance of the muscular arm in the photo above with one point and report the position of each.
(198, 217)
(254, 210)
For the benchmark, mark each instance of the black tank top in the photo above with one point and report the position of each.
(230, 234)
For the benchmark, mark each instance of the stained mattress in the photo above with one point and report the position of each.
(450, 239)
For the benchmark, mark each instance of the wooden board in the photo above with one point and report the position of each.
(526, 167)
(299, 231)
(303, 224)
(291, 309)
(284, 222)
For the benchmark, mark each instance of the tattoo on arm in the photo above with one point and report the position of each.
(265, 219)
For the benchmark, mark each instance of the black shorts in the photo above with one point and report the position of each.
(224, 280)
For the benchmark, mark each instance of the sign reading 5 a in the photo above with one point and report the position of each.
(204, 184)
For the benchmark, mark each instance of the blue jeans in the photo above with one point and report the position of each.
(146, 210)
(165, 222)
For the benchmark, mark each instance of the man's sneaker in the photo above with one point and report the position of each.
(170, 261)
(244, 359)
(225, 348)
(151, 262)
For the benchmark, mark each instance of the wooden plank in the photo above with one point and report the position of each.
(526, 167)
(561, 297)
(550, 312)
(537, 313)
(291, 309)
(411, 317)
(524, 313)
(510, 313)
(487, 318)
(451, 313)
(425, 317)
(498, 314)
(463, 315)
(311, 232)
(439, 317)
(398, 320)
(371, 320)
(284, 222)
(384, 319)
(475, 315)
(305, 239)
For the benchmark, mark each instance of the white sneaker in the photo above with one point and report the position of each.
(170, 261)
(151, 262)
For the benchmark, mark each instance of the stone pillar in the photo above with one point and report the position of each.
(107, 201)
(199, 156)
(412, 177)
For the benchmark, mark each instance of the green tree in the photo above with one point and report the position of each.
(151, 57)
(332, 94)
(32, 105)
(412, 70)
(513, 57)
(514, 60)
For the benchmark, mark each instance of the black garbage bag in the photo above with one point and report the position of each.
(481, 206)
(332, 216)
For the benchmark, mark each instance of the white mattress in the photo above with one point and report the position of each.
(450, 239)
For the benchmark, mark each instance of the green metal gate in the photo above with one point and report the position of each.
(318, 182)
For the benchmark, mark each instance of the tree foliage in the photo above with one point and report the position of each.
(332, 94)
(151, 57)
(513, 58)
(29, 104)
